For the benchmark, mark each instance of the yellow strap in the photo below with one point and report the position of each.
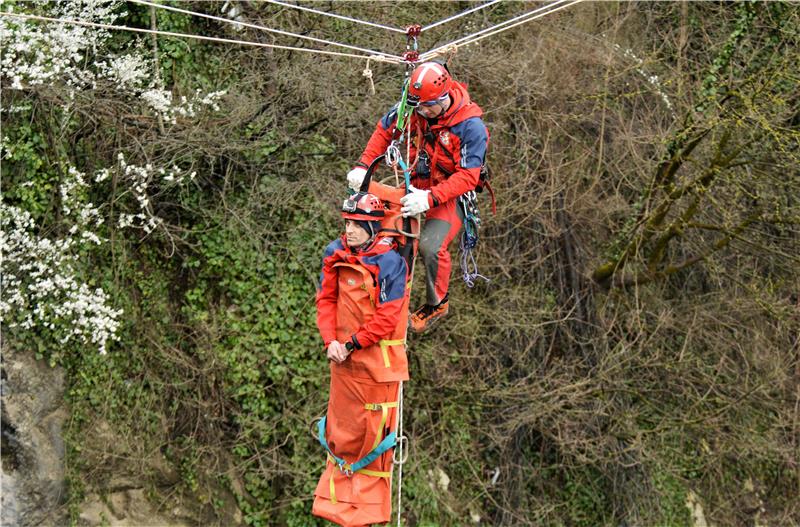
(384, 416)
(375, 473)
(384, 407)
(366, 472)
(384, 344)
(333, 490)
(378, 406)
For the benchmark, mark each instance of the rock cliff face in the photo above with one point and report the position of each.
(33, 489)
(33, 414)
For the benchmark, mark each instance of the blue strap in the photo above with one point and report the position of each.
(324, 442)
(388, 442)
(406, 172)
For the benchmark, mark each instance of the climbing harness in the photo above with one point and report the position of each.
(468, 204)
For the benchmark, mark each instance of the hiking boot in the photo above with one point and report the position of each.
(424, 317)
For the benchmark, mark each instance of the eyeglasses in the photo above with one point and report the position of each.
(415, 102)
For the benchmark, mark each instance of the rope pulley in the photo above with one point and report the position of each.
(411, 54)
(414, 31)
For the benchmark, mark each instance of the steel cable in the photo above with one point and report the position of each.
(379, 58)
(497, 28)
(334, 15)
(459, 15)
(262, 28)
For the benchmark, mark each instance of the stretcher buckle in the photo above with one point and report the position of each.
(346, 469)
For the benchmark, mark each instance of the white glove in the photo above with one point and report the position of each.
(415, 202)
(356, 177)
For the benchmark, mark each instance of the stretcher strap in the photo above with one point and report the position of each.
(373, 473)
(384, 344)
(384, 407)
(349, 468)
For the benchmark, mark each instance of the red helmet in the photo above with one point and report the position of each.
(429, 82)
(363, 206)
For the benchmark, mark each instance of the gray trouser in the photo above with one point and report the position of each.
(442, 225)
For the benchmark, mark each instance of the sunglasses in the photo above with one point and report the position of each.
(414, 102)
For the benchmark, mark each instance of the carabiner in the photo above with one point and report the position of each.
(392, 154)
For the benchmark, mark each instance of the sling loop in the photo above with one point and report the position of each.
(469, 238)
(350, 468)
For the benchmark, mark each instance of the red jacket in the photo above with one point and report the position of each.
(455, 144)
(364, 295)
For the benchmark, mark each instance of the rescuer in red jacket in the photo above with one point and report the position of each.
(362, 307)
(448, 140)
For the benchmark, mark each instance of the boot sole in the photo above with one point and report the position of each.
(432, 322)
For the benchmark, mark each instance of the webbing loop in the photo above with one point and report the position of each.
(349, 468)
(468, 204)
(384, 345)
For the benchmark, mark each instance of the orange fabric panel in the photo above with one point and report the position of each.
(356, 305)
(352, 431)
(393, 219)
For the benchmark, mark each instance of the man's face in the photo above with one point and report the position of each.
(430, 112)
(355, 234)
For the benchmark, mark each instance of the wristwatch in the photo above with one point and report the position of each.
(352, 344)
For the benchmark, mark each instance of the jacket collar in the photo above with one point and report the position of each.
(461, 108)
(379, 245)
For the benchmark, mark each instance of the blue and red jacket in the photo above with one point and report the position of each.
(363, 299)
(455, 144)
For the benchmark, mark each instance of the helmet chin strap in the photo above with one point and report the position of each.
(364, 246)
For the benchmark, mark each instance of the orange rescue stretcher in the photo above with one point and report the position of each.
(359, 430)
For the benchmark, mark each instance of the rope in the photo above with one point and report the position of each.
(559, 8)
(368, 74)
(498, 28)
(197, 37)
(401, 448)
(262, 28)
(468, 11)
(460, 41)
(334, 15)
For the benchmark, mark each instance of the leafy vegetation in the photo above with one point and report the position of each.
(638, 342)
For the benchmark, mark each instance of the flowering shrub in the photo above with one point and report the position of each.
(44, 291)
(41, 286)
(36, 54)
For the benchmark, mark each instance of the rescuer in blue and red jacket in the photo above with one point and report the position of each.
(448, 141)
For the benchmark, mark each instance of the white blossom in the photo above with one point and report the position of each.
(41, 285)
(652, 80)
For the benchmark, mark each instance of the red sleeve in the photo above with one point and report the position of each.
(469, 154)
(326, 302)
(379, 140)
(463, 180)
(380, 325)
